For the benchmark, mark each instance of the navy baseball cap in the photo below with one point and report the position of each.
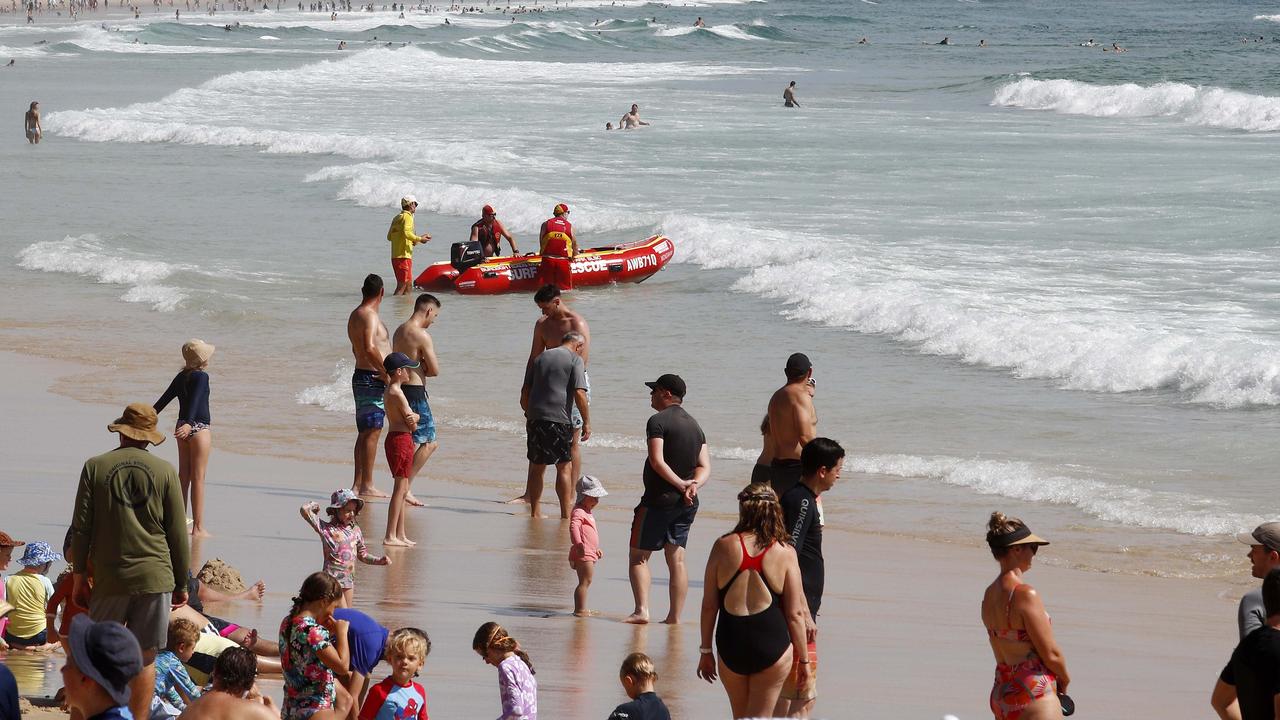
(397, 360)
(673, 383)
(107, 653)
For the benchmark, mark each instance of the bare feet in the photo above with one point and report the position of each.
(407, 542)
(639, 617)
(255, 592)
(394, 542)
(671, 621)
(371, 492)
(199, 532)
(522, 500)
(410, 499)
(586, 613)
(249, 640)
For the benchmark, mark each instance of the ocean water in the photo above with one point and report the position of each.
(1034, 276)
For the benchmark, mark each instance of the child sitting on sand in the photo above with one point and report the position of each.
(55, 629)
(584, 540)
(174, 688)
(29, 591)
(637, 676)
(516, 685)
(398, 697)
(342, 539)
(401, 422)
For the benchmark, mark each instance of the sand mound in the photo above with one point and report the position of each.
(221, 576)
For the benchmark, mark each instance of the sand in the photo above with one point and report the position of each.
(899, 636)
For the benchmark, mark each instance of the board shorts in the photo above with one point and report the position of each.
(425, 432)
(785, 474)
(575, 417)
(808, 691)
(549, 443)
(402, 269)
(399, 448)
(556, 271)
(761, 473)
(367, 389)
(653, 528)
(145, 614)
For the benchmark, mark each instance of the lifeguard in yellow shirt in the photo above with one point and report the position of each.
(402, 241)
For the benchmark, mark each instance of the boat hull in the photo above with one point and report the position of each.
(626, 263)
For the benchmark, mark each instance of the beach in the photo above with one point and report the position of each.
(897, 609)
(1033, 277)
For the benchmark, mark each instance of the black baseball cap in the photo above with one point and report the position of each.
(107, 653)
(673, 383)
(797, 365)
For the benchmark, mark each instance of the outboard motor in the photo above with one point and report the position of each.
(465, 255)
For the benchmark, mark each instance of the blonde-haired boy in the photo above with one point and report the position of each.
(637, 676)
(174, 687)
(398, 697)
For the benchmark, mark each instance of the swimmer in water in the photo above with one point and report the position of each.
(863, 41)
(698, 23)
(607, 126)
(789, 96)
(945, 41)
(631, 120)
(982, 43)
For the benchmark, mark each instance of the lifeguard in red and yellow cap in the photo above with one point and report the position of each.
(558, 246)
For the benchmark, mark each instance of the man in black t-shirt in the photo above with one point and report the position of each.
(1253, 674)
(677, 465)
(821, 461)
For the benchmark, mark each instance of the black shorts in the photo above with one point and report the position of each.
(550, 443)
(761, 474)
(652, 528)
(786, 473)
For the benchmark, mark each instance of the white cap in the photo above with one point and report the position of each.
(590, 486)
(407, 200)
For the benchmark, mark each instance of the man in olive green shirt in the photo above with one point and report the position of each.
(129, 525)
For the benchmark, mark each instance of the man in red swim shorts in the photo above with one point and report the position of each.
(558, 248)
(402, 240)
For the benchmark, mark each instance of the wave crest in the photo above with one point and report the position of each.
(1204, 106)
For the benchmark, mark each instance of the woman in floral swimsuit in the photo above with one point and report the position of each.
(1030, 670)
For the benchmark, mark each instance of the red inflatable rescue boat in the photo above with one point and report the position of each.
(470, 274)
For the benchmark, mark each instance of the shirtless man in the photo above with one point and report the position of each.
(632, 119)
(792, 423)
(548, 332)
(234, 695)
(370, 345)
(789, 96)
(412, 339)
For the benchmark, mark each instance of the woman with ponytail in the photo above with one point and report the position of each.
(1031, 674)
(515, 671)
(754, 602)
(313, 652)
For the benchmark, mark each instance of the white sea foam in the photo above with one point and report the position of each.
(521, 210)
(731, 32)
(89, 257)
(1268, 18)
(1135, 507)
(1204, 106)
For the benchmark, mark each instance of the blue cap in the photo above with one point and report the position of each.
(397, 360)
(106, 653)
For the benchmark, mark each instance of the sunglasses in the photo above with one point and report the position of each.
(812, 382)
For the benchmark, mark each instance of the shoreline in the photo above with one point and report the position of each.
(896, 607)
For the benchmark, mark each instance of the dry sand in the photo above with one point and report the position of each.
(900, 633)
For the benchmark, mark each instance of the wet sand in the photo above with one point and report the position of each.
(899, 635)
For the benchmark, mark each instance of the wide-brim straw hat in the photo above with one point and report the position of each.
(196, 352)
(138, 422)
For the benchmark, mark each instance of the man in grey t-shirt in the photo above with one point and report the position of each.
(1264, 554)
(553, 384)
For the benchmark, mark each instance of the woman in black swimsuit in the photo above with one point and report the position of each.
(753, 600)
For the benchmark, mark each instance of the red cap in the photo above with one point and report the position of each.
(487, 210)
(560, 209)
